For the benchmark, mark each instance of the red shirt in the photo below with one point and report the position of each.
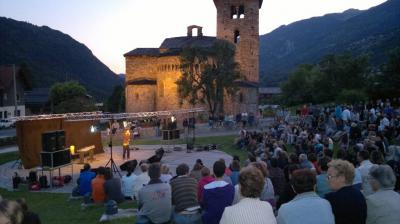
(200, 186)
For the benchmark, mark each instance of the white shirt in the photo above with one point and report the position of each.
(249, 211)
(364, 168)
(127, 185)
(141, 180)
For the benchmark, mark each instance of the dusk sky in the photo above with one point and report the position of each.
(111, 28)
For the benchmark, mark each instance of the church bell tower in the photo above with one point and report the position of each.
(238, 23)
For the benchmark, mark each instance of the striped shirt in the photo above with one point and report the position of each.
(184, 192)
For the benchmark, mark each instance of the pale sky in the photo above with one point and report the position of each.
(111, 28)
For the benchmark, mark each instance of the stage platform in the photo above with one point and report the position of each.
(173, 159)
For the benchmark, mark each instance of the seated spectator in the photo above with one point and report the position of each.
(85, 180)
(128, 181)
(11, 212)
(206, 179)
(277, 177)
(377, 157)
(196, 171)
(365, 165)
(305, 163)
(268, 193)
(307, 206)
(29, 217)
(322, 182)
(217, 195)
(383, 205)
(250, 209)
(393, 160)
(288, 194)
(141, 180)
(348, 204)
(154, 202)
(165, 174)
(98, 194)
(184, 197)
(112, 187)
(235, 168)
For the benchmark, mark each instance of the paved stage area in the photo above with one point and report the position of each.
(173, 159)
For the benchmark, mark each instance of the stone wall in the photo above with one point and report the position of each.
(246, 100)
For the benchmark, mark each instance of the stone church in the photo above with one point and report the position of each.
(151, 73)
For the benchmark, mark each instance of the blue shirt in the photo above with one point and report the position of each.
(85, 182)
(322, 185)
(235, 177)
(307, 208)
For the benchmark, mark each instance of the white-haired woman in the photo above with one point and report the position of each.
(383, 205)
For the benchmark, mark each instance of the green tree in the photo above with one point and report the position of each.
(70, 97)
(208, 75)
(387, 84)
(116, 102)
(299, 87)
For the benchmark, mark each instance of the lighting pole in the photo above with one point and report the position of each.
(15, 92)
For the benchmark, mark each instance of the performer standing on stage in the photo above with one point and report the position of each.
(125, 144)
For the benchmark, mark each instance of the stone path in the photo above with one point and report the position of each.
(173, 159)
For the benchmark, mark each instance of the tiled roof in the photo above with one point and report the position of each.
(183, 42)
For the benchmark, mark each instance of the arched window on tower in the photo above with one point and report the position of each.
(234, 12)
(236, 39)
(241, 12)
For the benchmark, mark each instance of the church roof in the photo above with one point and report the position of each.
(173, 46)
(261, 2)
(183, 42)
(144, 52)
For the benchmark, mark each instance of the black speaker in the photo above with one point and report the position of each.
(59, 158)
(60, 140)
(170, 134)
(49, 141)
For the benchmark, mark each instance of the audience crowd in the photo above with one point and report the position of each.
(334, 164)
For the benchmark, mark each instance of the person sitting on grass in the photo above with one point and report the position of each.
(98, 195)
(154, 202)
(128, 181)
(141, 180)
(250, 209)
(206, 179)
(84, 181)
(11, 212)
(217, 195)
(29, 217)
(112, 187)
(184, 197)
(307, 206)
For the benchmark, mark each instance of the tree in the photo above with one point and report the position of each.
(299, 87)
(387, 84)
(334, 77)
(116, 102)
(208, 75)
(70, 97)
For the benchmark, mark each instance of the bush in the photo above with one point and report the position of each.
(351, 96)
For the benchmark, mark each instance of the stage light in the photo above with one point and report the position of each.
(72, 149)
(92, 129)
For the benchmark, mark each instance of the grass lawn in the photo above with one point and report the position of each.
(9, 156)
(55, 208)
